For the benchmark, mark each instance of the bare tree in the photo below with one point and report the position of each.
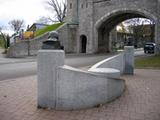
(2, 34)
(16, 25)
(152, 27)
(138, 26)
(3, 38)
(59, 8)
(138, 23)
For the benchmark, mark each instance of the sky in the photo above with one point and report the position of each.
(28, 10)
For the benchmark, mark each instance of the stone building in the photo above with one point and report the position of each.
(89, 22)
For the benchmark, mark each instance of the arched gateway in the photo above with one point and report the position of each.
(109, 21)
(96, 18)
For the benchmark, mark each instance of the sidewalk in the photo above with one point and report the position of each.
(140, 101)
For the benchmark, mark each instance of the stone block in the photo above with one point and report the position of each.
(129, 60)
(48, 61)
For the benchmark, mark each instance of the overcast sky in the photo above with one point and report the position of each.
(27, 10)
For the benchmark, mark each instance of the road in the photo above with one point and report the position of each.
(15, 70)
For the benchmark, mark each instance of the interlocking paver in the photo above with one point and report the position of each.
(140, 101)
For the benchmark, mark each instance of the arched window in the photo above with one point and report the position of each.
(70, 6)
(81, 5)
(86, 5)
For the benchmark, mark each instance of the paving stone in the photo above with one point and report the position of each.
(140, 101)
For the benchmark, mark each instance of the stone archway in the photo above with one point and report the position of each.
(105, 25)
(83, 44)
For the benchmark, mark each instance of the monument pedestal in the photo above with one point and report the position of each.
(48, 62)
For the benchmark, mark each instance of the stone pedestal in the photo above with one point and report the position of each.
(48, 61)
(157, 37)
(129, 60)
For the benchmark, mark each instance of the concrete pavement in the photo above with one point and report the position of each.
(21, 67)
(5, 60)
(140, 101)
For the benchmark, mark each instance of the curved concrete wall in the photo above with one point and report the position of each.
(123, 62)
(116, 62)
(65, 88)
(76, 89)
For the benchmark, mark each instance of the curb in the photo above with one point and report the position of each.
(3, 63)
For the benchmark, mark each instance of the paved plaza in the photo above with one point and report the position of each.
(140, 101)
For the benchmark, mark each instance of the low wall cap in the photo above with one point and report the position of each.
(105, 70)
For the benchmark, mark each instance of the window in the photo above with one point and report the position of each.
(70, 6)
(86, 5)
(81, 5)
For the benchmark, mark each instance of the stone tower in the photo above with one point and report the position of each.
(72, 11)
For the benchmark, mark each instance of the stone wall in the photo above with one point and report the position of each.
(27, 47)
(36, 44)
(86, 27)
(94, 13)
(108, 14)
(113, 6)
(19, 49)
(95, 20)
(72, 11)
(67, 37)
